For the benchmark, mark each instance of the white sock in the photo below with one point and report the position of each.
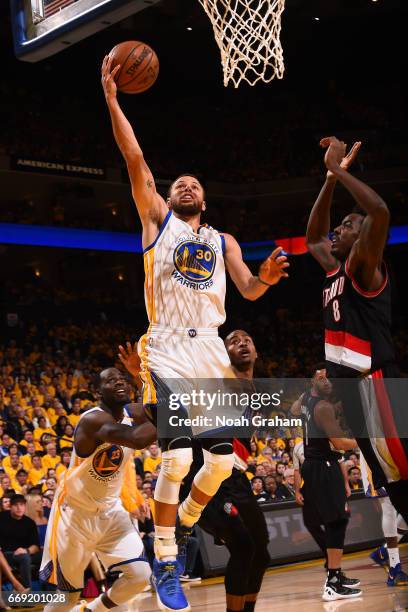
(96, 605)
(394, 557)
(165, 549)
(190, 511)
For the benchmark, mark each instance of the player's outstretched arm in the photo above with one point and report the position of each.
(149, 203)
(326, 419)
(270, 272)
(99, 427)
(318, 226)
(365, 259)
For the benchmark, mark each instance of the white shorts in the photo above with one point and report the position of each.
(73, 534)
(175, 354)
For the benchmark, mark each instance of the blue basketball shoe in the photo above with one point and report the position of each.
(380, 556)
(397, 577)
(166, 582)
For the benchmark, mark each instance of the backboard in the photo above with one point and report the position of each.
(44, 27)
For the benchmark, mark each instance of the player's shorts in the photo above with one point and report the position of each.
(234, 510)
(375, 411)
(323, 489)
(73, 534)
(184, 354)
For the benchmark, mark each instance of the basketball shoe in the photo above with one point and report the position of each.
(380, 556)
(166, 582)
(335, 589)
(397, 577)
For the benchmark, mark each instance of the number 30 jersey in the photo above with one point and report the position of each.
(357, 325)
(185, 276)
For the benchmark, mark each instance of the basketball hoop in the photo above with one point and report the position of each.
(247, 33)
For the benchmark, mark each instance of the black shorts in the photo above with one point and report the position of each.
(324, 491)
(226, 523)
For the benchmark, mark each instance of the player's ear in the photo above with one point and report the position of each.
(204, 206)
(168, 202)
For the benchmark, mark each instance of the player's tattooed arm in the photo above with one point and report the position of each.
(150, 205)
(318, 227)
(270, 272)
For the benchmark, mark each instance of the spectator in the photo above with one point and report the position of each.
(37, 473)
(20, 483)
(46, 501)
(51, 459)
(75, 413)
(286, 490)
(355, 481)
(271, 488)
(35, 511)
(258, 488)
(19, 539)
(7, 573)
(68, 439)
(152, 461)
(5, 503)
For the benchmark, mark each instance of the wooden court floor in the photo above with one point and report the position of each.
(297, 588)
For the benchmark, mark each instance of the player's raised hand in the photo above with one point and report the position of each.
(108, 77)
(273, 268)
(130, 358)
(347, 159)
(336, 151)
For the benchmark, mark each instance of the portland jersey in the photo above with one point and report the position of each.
(94, 483)
(315, 441)
(357, 325)
(185, 276)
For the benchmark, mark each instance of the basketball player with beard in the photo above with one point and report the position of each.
(357, 319)
(185, 264)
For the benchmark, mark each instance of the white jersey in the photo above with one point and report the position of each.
(94, 483)
(185, 276)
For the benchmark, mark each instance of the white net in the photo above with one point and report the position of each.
(247, 33)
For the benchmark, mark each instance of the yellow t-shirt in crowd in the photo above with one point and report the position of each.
(50, 462)
(67, 442)
(73, 419)
(150, 464)
(40, 432)
(27, 463)
(35, 476)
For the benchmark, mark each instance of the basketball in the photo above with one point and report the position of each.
(139, 66)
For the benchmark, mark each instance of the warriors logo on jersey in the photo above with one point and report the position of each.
(107, 461)
(195, 261)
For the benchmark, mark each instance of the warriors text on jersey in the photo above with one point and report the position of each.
(95, 482)
(357, 325)
(185, 276)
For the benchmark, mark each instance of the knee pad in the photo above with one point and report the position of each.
(336, 533)
(175, 465)
(215, 470)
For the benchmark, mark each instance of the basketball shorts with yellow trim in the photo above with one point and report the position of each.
(168, 354)
(73, 534)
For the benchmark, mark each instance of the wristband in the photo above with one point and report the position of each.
(263, 282)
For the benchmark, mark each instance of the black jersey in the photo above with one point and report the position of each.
(315, 441)
(357, 325)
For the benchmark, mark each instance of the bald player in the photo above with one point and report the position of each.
(87, 514)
